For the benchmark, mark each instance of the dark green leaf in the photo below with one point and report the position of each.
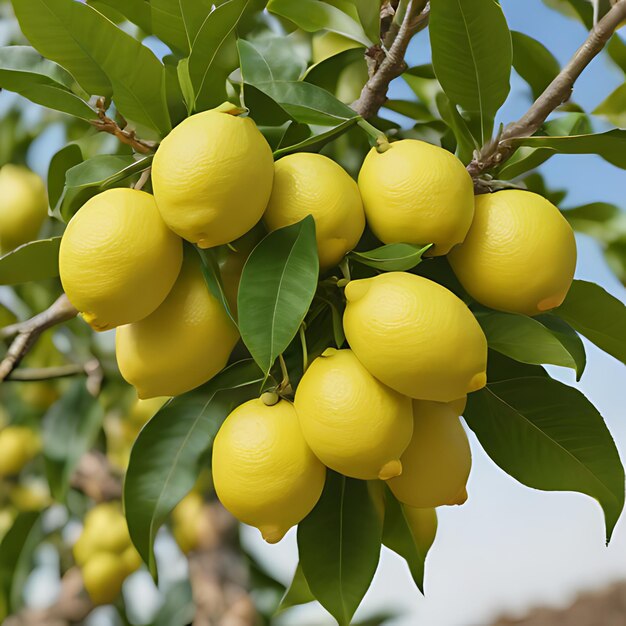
(164, 461)
(463, 37)
(168, 24)
(549, 436)
(276, 289)
(393, 257)
(317, 140)
(70, 428)
(194, 14)
(533, 62)
(339, 546)
(213, 279)
(597, 315)
(36, 260)
(500, 367)
(466, 143)
(62, 161)
(298, 592)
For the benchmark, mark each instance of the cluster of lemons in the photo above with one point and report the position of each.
(18, 446)
(105, 553)
(385, 409)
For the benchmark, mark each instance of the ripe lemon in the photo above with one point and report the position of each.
(212, 177)
(354, 424)
(415, 336)
(18, 446)
(312, 184)
(24, 206)
(131, 560)
(118, 260)
(186, 518)
(519, 255)
(438, 460)
(103, 576)
(264, 472)
(417, 193)
(105, 529)
(184, 343)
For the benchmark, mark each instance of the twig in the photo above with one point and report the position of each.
(143, 179)
(107, 125)
(556, 93)
(34, 374)
(26, 333)
(374, 93)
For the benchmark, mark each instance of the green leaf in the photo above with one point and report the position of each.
(543, 339)
(17, 547)
(393, 257)
(317, 140)
(70, 428)
(213, 56)
(613, 108)
(339, 546)
(135, 11)
(597, 315)
(62, 161)
(165, 459)
(178, 608)
(500, 367)
(277, 286)
(24, 71)
(549, 436)
(298, 592)
(369, 16)
(617, 51)
(168, 24)
(36, 260)
(409, 533)
(194, 13)
(598, 219)
(615, 255)
(466, 143)
(533, 62)
(213, 278)
(91, 48)
(463, 37)
(313, 16)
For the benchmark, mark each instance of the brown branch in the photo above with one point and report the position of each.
(374, 93)
(26, 333)
(556, 93)
(96, 478)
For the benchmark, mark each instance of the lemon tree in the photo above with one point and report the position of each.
(258, 288)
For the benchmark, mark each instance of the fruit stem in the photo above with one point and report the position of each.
(285, 386)
(305, 353)
(270, 398)
(380, 140)
(344, 266)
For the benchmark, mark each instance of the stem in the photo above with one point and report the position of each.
(344, 266)
(285, 385)
(143, 179)
(305, 353)
(380, 139)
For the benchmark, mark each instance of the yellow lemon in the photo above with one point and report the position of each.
(18, 446)
(186, 521)
(312, 184)
(184, 343)
(354, 424)
(24, 206)
(118, 260)
(142, 411)
(105, 529)
(131, 559)
(103, 576)
(32, 495)
(212, 177)
(417, 193)
(264, 472)
(519, 255)
(415, 336)
(438, 460)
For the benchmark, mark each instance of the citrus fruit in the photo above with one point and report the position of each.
(418, 193)
(24, 206)
(18, 445)
(186, 521)
(212, 177)
(264, 472)
(184, 343)
(437, 462)
(353, 423)
(312, 184)
(103, 576)
(117, 259)
(415, 336)
(105, 529)
(519, 255)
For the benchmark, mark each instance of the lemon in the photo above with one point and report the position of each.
(117, 259)
(519, 255)
(143, 411)
(18, 446)
(131, 559)
(105, 530)
(438, 460)
(264, 472)
(312, 184)
(186, 521)
(33, 495)
(415, 336)
(418, 193)
(212, 177)
(103, 576)
(184, 343)
(354, 424)
(24, 206)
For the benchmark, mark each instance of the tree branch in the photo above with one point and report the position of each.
(556, 93)
(26, 333)
(96, 478)
(374, 93)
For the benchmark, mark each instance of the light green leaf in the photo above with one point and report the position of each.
(213, 278)
(62, 161)
(466, 143)
(463, 37)
(369, 16)
(165, 459)
(535, 340)
(597, 315)
(393, 257)
(533, 62)
(317, 140)
(613, 108)
(135, 11)
(313, 16)
(298, 592)
(339, 546)
(24, 71)
(601, 220)
(178, 608)
(194, 13)
(615, 255)
(277, 286)
(36, 260)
